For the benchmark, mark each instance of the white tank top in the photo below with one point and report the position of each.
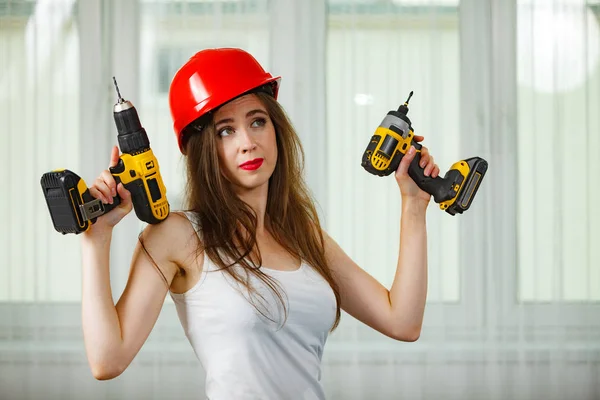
(244, 354)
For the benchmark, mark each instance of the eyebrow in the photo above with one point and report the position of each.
(248, 115)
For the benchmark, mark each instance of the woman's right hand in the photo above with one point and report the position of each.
(105, 188)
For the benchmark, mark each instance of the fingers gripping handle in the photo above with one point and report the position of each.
(116, 199)
(440, 188)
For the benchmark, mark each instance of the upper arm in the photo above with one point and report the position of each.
(140, 304)
(362, 296)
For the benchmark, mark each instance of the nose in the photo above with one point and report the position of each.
(246, 142)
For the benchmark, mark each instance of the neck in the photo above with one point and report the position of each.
(257, 200)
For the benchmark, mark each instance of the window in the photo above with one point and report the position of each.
(377, 53)
(559, 98)
(40, 108)
(39, 120)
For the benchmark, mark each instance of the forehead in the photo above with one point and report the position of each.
(240, 106)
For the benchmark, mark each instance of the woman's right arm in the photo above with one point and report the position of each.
(113, 334)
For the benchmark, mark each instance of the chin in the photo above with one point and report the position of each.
(251, 183)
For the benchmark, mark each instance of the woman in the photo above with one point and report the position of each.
(258, 285)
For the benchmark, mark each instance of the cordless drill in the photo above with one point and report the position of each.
(72, 207)
(392, 139)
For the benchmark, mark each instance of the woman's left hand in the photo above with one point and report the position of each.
(408, 187)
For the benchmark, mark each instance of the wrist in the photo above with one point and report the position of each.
(97, 235)
(414, 205)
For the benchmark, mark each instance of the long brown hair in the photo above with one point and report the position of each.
(228, 225)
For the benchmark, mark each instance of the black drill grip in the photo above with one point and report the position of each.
(141, 199)
(141, 202)
(433, 186)
(440, 188)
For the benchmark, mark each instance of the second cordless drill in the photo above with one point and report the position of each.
(390, 142)
(72, 207)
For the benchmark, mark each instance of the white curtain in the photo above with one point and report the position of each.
(514, 283)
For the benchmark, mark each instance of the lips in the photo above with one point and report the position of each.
(252, 164)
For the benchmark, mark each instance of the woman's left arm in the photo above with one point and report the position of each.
(398, 312)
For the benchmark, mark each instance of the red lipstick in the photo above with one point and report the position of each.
(252, 164)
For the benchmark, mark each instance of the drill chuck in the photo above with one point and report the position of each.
(131, 134)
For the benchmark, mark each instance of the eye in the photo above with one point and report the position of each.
(225, 131)
(258, 122)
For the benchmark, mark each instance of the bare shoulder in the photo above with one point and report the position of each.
(172, 240)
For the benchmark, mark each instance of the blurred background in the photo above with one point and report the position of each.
(514, 283)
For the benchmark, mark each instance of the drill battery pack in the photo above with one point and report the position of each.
(474, 170)
(72, 207)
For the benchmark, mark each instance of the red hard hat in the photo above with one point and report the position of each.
(211, 78)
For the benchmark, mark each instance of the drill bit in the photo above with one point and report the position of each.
(120, 99)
